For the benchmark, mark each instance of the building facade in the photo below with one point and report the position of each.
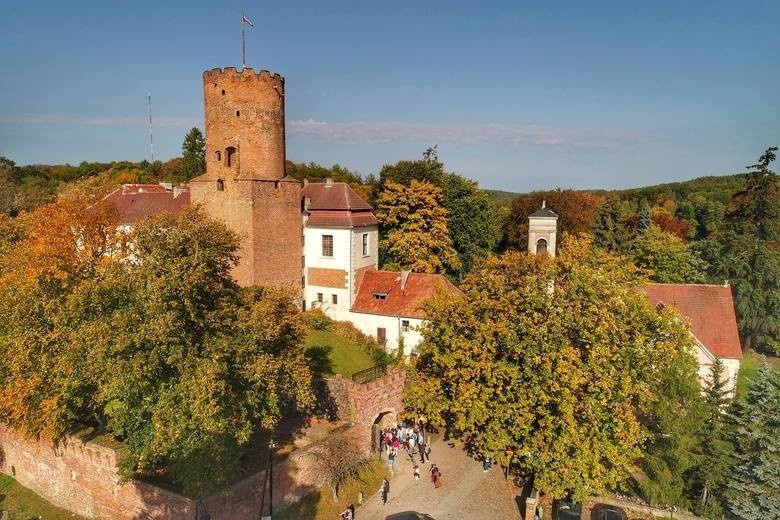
(245, 185)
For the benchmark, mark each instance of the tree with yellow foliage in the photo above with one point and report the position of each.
(552, 359)
(414, 228)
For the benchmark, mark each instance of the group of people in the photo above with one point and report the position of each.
(410, 438)
(407, 436)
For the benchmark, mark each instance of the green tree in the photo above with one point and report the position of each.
(404, 172)
(552, 358)
(645, 218)
(753, 489)
(675, 417)
(414, 228)
(610, 230)
(715, 450)
(180, 364)
(7, 187)
(666, 258)
(194, 153)
(749, 256)
(472, 221)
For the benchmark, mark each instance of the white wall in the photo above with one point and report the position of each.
(312, 252)
(730, 368)
(542, 227)
(347, 256)
(368, 323)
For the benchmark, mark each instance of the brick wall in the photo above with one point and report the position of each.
(322, 277)
(244, 110)
(81, 476)
(266, 215)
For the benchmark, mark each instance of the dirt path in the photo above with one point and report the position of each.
(466, 491)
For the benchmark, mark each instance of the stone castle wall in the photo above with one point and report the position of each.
(81, 476)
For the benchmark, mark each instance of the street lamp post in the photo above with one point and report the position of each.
(269, 481)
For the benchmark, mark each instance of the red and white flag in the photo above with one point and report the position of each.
(244, 19)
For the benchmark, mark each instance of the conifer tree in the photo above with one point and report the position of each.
(194, 153)
(676, 415)
(715, 450)
(609, 226)
(749, 256)
(753, 490)
(645, 218)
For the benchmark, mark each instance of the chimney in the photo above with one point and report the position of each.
(404, 278)
(328, 182)
(306, 203)
(544, 203)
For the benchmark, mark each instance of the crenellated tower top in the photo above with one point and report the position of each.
(244, 117)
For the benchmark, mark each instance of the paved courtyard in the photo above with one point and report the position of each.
(466, 491)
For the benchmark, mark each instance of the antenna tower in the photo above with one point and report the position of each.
(151, 135)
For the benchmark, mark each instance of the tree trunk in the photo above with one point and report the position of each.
(335, 491)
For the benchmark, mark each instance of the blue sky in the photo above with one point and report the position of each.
(517, 95)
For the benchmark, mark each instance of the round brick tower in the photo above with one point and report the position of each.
(244, 124)
(245, 184)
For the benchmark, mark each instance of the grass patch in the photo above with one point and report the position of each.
(319, 505)
(23, 504)
(333, 354)
(748, 369)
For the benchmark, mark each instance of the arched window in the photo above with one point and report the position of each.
(230, 153)
(218, 155)
(541, 246)
(220, 185)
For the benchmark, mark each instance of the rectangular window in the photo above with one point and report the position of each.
(365, 244)
(327, 245)
(381, 336)
(334, 298)
(319, 297)
(405, 325)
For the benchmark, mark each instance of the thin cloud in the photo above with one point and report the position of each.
(516, 135)
(66, 119)
(462, 134)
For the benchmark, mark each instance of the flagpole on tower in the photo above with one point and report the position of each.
(244, 22)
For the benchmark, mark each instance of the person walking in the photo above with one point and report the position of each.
(390, 462)
(348, 513)
(417, 474)
(435, 476)
(384, 490)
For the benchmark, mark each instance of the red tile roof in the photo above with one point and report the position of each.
(710, 310)
(398, 302)
(336, 195)
(337, 205)
(137, 201)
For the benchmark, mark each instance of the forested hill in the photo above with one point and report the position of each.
(712, 187)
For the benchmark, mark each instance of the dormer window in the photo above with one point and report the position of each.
(659, 306)
(380, 296)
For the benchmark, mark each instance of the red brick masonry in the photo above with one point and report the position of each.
(81, 476)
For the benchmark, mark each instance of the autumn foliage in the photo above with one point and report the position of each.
(145, 335)
(554, 360)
